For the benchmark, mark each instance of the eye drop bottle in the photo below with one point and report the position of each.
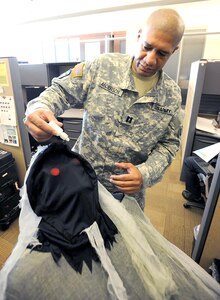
(59, 131)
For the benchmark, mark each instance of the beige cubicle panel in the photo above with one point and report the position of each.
(10, 86)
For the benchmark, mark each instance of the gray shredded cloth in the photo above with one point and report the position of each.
(149, 266)
(185, 279)
(36, 276)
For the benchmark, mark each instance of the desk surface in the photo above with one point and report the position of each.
(72, 113)
(205, 124)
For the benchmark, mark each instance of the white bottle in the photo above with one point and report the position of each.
(59, 131)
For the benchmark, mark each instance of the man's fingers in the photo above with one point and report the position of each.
(37, 124)
(41, 121)
(124, 183)
(122, 177)
(38, 134)
(128, 183)
(123, 165)
(128, 190)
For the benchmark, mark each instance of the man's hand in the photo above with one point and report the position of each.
(127, 183)
(37, 124)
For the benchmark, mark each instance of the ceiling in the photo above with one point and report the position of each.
(29, 11)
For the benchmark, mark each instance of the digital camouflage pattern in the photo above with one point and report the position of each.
(118, 125)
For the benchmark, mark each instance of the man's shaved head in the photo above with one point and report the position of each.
(158, 39)
(168, 21)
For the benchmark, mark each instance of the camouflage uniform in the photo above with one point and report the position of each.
(118, 126)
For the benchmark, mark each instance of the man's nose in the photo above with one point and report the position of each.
(151, 58)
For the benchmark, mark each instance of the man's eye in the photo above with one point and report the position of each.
(162, 54)
(147, 48)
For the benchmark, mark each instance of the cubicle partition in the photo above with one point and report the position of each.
(203, 100)
(13, 134)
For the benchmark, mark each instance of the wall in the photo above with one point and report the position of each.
(25, 41)
(195, 15)
(20, 151)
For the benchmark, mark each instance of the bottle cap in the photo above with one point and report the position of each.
(59, 132)
(64, 136)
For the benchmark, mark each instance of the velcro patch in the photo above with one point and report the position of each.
(111, 89)
(77, 71)
(161, 109)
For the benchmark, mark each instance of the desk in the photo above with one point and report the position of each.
(206, 125)
(203, 139)
(72, 124)
(203, 98)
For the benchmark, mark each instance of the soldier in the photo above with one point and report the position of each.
(132, 109)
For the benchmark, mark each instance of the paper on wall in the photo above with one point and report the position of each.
(7, 111)
(9, 135)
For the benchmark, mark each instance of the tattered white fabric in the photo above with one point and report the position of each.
(115, 285)
(166, 272)
(156, 277)
(28, 223)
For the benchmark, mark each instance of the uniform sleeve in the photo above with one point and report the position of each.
(163, 154)
(70, 89)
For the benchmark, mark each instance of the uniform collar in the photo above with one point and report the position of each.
(155, 95)
(127, 82)
(158, 92)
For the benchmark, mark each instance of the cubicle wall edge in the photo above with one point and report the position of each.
(196, 81)
(21, 152)
(208, 216)
(20, 108)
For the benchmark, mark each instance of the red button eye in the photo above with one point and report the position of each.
(55, 171)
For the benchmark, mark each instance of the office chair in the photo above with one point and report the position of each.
(205, 178)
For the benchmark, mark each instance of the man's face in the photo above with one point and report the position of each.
(154, 49)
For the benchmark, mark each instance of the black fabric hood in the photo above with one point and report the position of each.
(62, 188)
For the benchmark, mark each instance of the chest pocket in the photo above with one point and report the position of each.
(110, 88)
(103, 100)
(147, 126)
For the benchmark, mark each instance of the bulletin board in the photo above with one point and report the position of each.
(13, 134)
(8, 123)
